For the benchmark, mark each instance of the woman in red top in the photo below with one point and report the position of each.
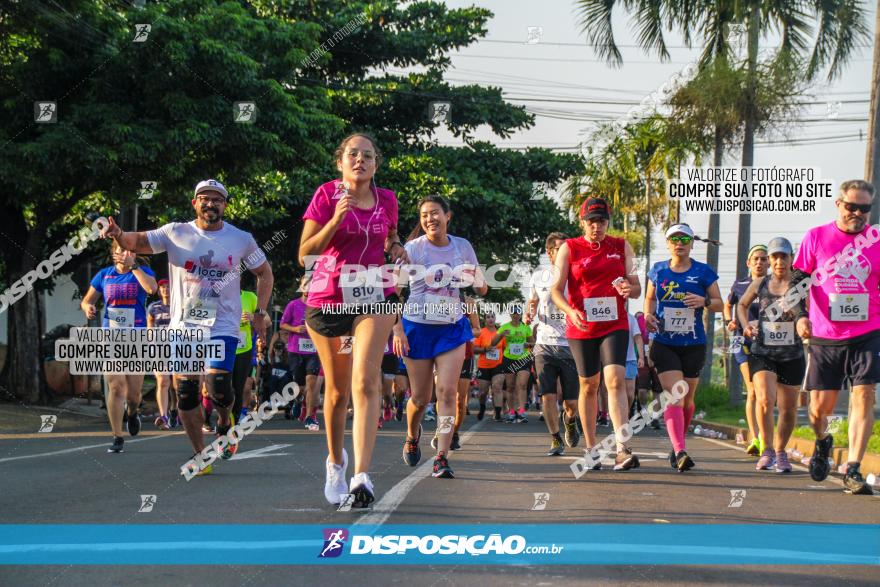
(597, 269)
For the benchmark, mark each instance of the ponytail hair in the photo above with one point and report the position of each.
(436, 199)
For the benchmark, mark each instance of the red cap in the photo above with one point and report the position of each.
(163, 282)
(595, 208)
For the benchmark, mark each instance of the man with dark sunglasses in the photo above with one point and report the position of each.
(843, 327)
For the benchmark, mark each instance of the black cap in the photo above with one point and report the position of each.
(595, 208)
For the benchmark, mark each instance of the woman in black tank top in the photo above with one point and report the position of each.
(777, 353)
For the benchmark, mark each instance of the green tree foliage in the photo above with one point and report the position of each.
(162, 110)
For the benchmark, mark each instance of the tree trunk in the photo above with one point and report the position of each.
(23, 372)
(744, 233)
(872, 160)
(647, 224)
(712, 261)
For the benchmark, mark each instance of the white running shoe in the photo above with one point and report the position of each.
(335, 484)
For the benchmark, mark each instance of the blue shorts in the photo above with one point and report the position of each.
(228, 363)
(741, 355)
(632, 370)
(426, 341)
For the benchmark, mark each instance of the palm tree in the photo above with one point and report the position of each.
(872, 157)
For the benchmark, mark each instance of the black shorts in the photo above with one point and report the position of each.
(687, 359)
(484, 374)
(512, 367)
(552, 369)
(590, 354)
(787, 372)
(829, 366)
(302, 365)
(332, 325)
(389, 364)
(467, 369)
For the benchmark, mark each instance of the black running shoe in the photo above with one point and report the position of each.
(362, 488)
(134, 424)
(556, 448)
(117, 445)
(655, 424)
(398, 413)
(572, 436)
(172, 418)
(854, 483)
(521, 419)
(541, 417)
(684, 462)
(455, 444)
(819, 466)
(625, 460)
(673, 461)
(442, 468)
(412, 454)
(482, 412)
(602, 420)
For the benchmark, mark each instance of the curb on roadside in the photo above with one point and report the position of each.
(870, 463)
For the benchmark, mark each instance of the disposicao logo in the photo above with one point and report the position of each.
(334, 541)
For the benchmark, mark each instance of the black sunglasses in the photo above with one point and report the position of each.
(851, 207)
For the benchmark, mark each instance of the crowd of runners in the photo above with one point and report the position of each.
(418, 346)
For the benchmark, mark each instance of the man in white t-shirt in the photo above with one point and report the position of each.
(554, 364)
(205, 257)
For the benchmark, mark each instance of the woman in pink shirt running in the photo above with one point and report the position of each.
(349, 226)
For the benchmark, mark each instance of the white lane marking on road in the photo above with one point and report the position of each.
(395, 496)
(261, 452)
(79, 448)
(796, 465)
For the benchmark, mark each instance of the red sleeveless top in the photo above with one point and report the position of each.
(590, 273)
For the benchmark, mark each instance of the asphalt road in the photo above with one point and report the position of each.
(66, 477)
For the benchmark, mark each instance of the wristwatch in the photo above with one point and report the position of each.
(707, 302)
(259, 312)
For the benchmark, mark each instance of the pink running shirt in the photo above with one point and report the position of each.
(359, 240)
(854, 275)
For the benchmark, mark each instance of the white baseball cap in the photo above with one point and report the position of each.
(211, 185)
(680, 229)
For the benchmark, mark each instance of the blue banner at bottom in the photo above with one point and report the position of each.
(520, 544)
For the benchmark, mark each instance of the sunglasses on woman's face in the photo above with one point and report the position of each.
(851, 207)
(681, 239)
